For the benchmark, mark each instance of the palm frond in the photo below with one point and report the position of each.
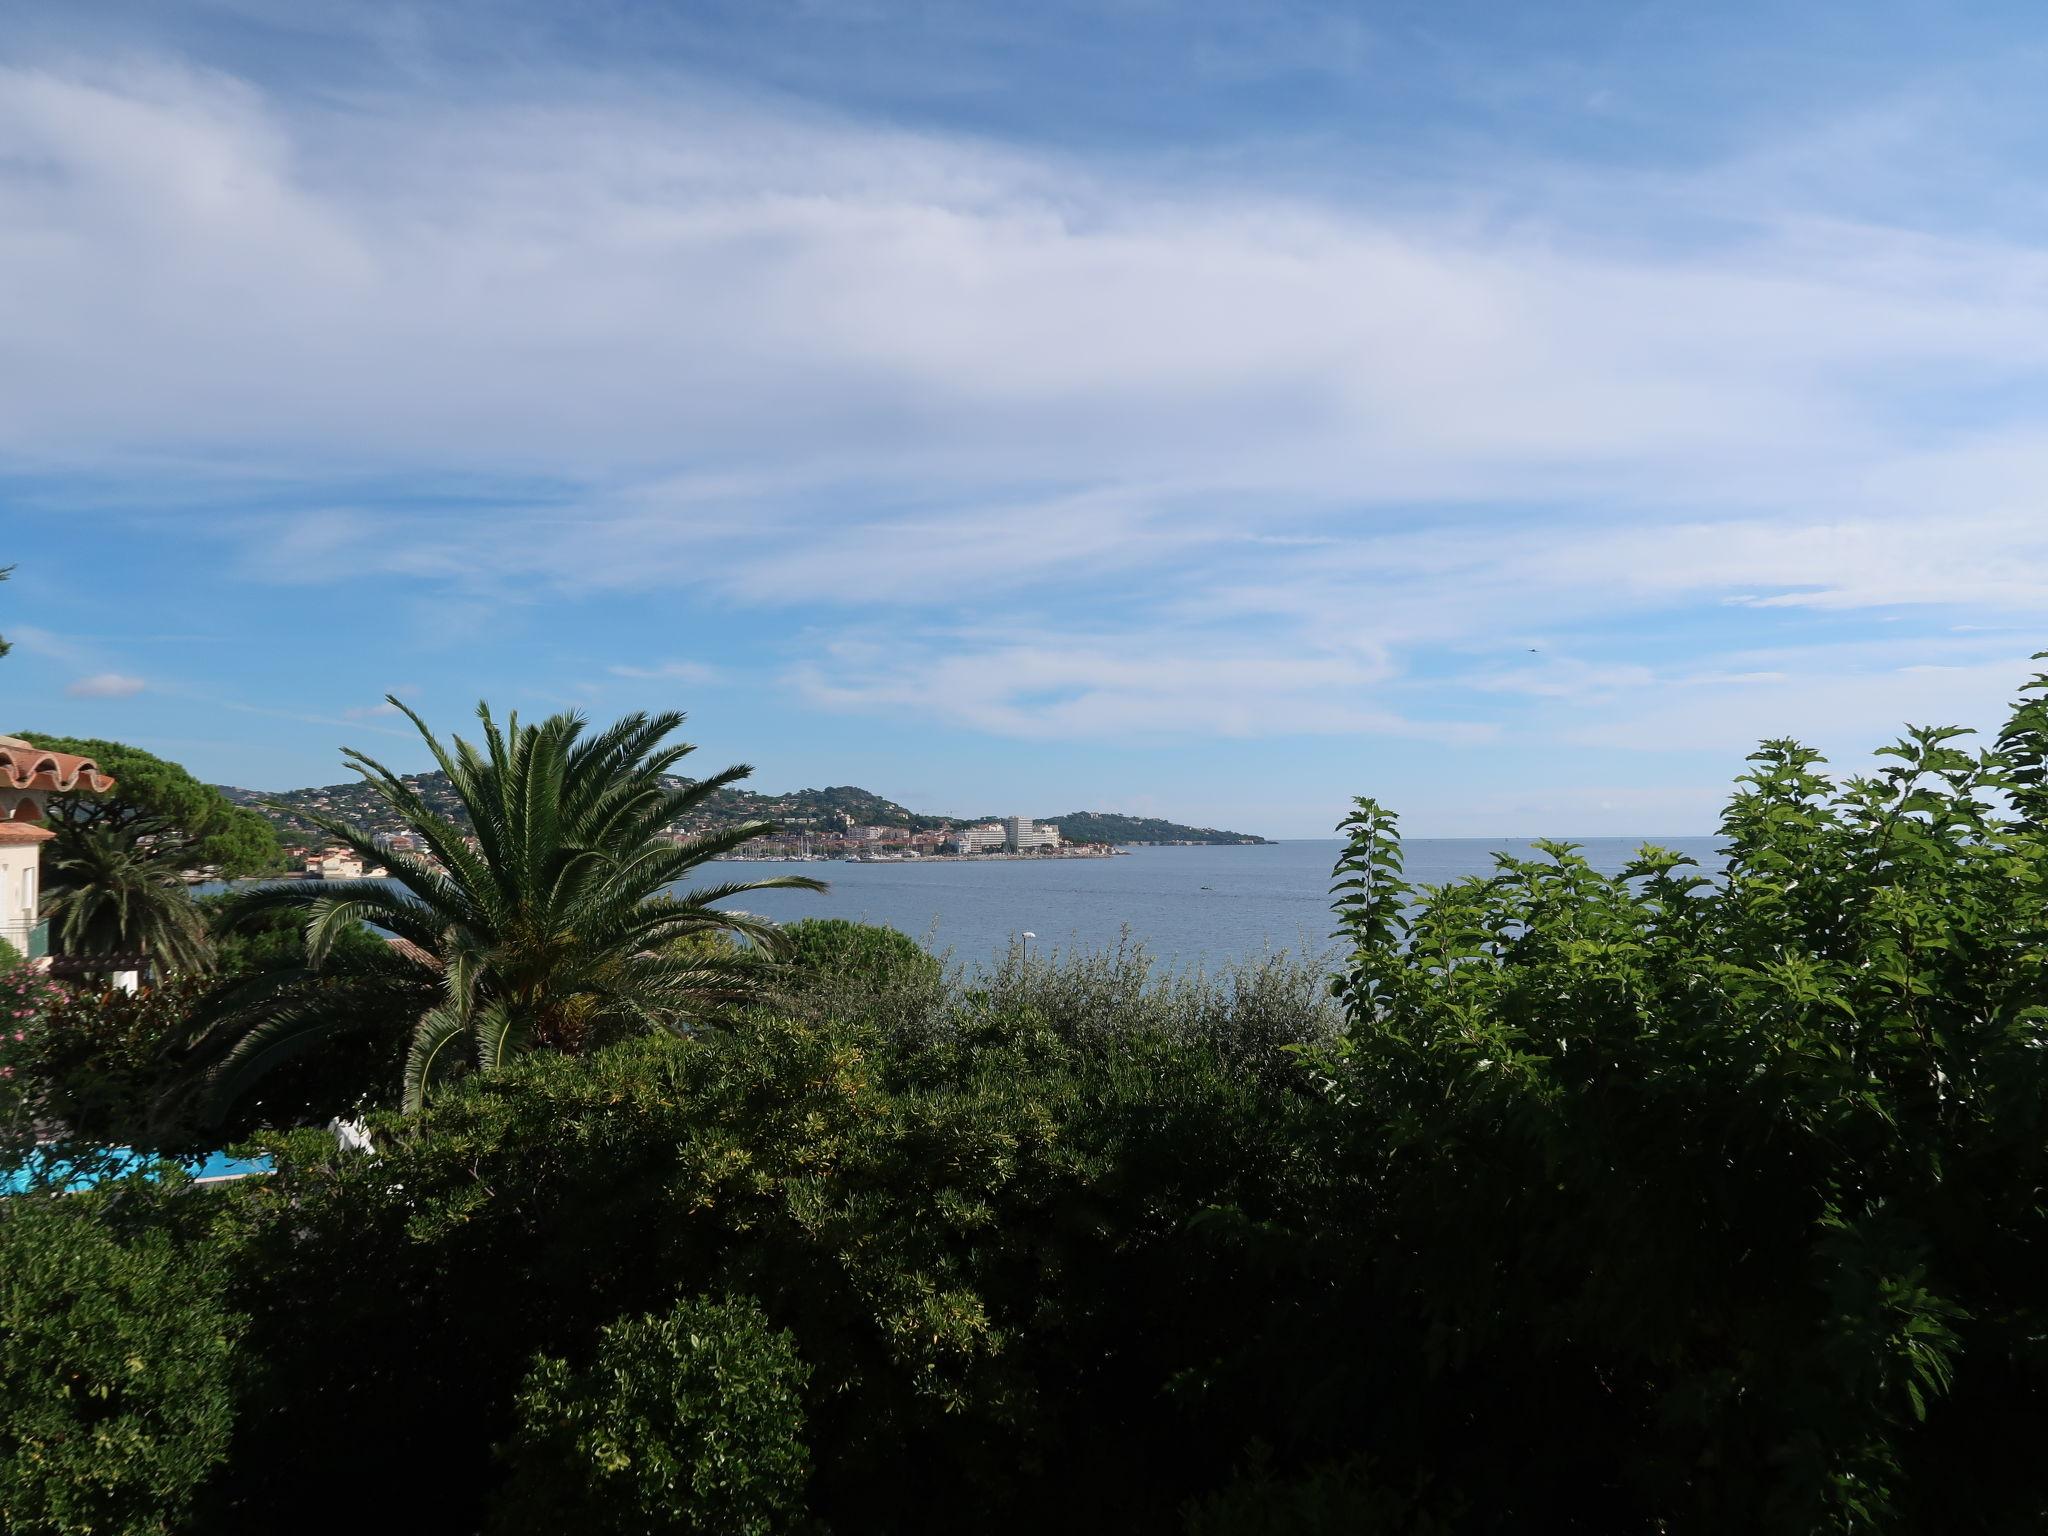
(439, 1048)
(546, 921)
(500, 1034)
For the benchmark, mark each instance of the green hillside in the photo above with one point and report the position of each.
(827, 809)
(1110, 827)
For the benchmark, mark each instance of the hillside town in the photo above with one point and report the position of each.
(833, 824)
(811, 839)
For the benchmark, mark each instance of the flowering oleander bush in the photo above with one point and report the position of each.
(27, 1000)
(100, 1057)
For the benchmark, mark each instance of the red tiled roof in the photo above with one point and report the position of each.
(23, 766)
(406, 949)
(15, 832)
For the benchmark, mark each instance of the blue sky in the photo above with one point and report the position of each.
(1207, 410)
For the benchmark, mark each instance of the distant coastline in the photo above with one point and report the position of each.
(832, 822)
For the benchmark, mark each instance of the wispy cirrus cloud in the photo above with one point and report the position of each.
(670, 671)
(1491, 449)
(384, 707)
(106, 685)
(1053, 687)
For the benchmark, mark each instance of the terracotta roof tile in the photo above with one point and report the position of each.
(411, 951)
(23, 766)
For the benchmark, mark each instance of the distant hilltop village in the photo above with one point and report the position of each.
(803, 837)
(836, 823)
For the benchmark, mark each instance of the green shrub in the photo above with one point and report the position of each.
(687, 1423)
(115, 1357)
(272, 941)
(1718, 1200)
(1341, 1497)
(977, 1259)
(1252, 1013)
(101, 1057)
(1660, 1201)
(10, 957)
(26, 1001)
(864, 972)
(863, 952)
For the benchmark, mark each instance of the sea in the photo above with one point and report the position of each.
(1191, 908)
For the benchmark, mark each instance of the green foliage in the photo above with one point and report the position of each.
(108, 1067)
(2023, 744)
(1670, 1200)
(554, 930)
(113, 876)
(1113, 827)
(1253, 1015)
(1344, 1496)
(26, 1001)
(99, 1059)
(688, 1421)
(729, 806)
(187, 822)
(110, 893)
(115, 1366)
(1718, 1198)
(10, 957)
(866, 954)
(862, 971)
(975, 1249)
(268, 943)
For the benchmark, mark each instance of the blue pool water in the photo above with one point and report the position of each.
(45, 1171)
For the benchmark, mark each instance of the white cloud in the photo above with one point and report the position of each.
(383, 707)
(676, 671)
(1064, 687)
(652, 281)
(1846, 710)
(105, 685)
(1231, 461)
(1561, 677)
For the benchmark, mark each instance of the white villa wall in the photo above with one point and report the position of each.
(20, 889)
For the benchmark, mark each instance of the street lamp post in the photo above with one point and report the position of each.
(1028, 937)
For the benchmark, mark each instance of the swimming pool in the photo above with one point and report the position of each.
(51, 1170)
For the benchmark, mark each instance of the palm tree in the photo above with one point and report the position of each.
(111, 892)
(553, 925)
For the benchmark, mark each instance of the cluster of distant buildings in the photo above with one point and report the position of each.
(821, 837)
(338, 863)
(814, 837)
(1013, 834)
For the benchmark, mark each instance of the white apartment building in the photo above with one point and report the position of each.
(334, 864)
(1021, 834)
(989, 837)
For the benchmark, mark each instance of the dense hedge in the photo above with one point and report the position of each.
(116, 1364)
(1676, 1200)
(689, 1422)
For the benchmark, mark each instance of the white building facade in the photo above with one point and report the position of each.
(28, 777)
(1021, 834)
(986, 838)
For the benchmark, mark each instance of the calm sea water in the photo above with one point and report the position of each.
(1188, 906)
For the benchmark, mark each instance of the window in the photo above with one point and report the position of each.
(28, 889)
